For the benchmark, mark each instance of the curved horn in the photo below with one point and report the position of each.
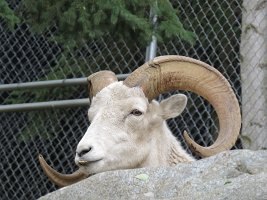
(167, 73)
(99, 80)
(59, 179)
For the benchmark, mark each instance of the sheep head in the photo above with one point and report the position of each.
(123, 123)
(136, 93)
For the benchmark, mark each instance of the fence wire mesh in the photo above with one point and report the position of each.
(25, 57)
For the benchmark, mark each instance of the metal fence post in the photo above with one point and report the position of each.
(151, 49)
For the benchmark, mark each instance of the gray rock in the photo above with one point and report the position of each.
(239, 174)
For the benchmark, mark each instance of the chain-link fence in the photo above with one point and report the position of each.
(25, 57)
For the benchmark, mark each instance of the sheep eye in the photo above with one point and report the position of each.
(136, 112)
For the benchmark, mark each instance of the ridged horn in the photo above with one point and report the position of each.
(99, 80)
(59, 179)
(167, 73)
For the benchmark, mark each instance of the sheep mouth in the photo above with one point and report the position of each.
(87, 162)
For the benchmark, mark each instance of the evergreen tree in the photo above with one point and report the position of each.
(77, 21)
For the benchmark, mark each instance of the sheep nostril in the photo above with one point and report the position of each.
(84, 151)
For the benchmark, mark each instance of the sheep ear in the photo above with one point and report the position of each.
(173, 106)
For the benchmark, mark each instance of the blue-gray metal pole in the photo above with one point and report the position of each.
(151, 49)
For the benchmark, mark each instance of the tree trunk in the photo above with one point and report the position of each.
(253, 51)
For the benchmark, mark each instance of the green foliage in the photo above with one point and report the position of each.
(78, 21)
(169, 23)
(8, 15)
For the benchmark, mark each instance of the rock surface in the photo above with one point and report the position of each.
(239, 174)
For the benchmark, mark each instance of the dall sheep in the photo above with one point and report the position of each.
(128, 128)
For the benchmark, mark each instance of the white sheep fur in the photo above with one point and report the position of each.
(118, 139)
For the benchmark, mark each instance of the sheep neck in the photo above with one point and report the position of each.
(167, 150)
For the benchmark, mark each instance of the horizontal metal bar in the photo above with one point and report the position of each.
(122, 76)
(43, 84)
(50, 104)
(44, 105)
(50, 83)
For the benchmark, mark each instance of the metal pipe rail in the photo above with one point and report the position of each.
(44, 105)
(50, 83)
(50, 104)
